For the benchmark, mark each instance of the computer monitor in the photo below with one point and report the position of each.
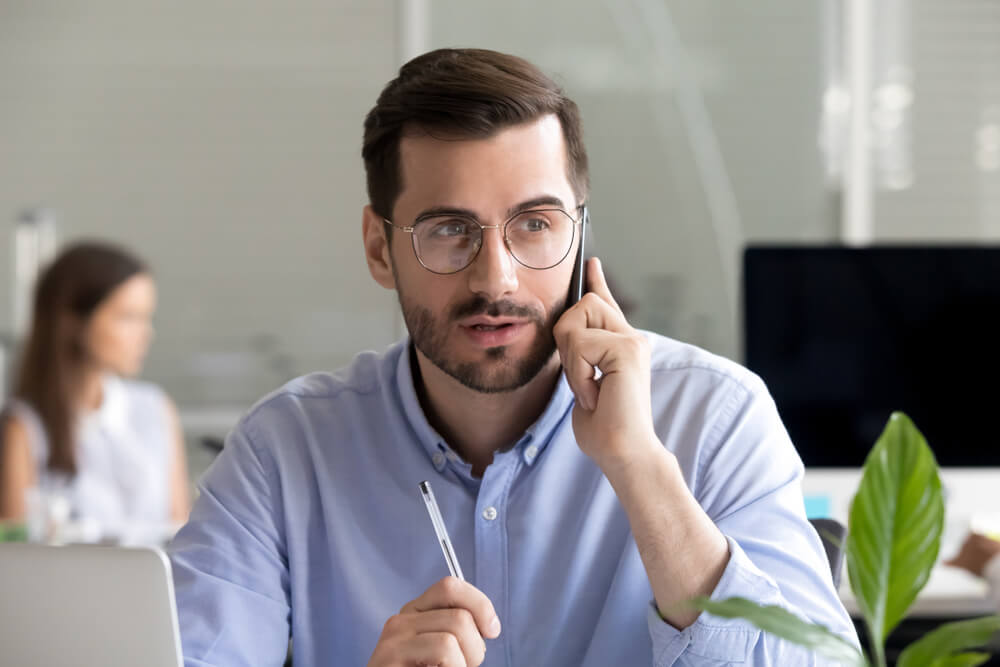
(844, 336)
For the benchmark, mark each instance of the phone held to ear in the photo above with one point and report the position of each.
(578, 279)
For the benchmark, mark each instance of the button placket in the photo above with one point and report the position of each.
(492, 563)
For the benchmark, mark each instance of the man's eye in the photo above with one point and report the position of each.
(532, 224)
(447, 229)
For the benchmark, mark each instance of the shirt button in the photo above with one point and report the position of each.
(438, 459)
(490, 513)
(531, 451)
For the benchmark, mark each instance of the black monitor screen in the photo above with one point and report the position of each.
(844, 336)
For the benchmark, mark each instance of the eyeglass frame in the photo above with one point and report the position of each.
(584, 217)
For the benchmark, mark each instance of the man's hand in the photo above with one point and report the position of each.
(612, 419)
(975, 553)
(682, 550)
(445, 626)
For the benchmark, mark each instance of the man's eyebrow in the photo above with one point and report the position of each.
(535, 202)
(447, 210)
(544, 200)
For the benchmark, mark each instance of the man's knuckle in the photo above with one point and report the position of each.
(638, 345)
(393, 624)
(457, 617)
(451, 587)
(446, 644)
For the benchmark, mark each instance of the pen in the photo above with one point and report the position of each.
(440, 530)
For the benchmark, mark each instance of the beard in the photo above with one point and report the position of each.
(499, 371)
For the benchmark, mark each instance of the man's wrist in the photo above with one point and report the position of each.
(643, 457)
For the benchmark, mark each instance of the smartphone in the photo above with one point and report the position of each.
(577, 281)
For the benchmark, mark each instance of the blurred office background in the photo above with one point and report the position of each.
(221, 141)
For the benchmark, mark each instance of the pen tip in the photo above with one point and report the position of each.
(425, 486)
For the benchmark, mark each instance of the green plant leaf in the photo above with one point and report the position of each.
(895, 526)
(938, 647)
(962, 660)
(783, 623)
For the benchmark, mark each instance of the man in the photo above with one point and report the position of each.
(583, 511)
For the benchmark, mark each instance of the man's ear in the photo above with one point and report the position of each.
(377, 248)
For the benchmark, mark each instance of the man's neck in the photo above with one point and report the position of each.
(477, 425)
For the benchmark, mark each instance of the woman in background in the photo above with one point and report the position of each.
(76, 426)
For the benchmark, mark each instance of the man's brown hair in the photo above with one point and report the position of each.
(463, 93)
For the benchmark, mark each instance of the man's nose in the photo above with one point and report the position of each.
(493, 274)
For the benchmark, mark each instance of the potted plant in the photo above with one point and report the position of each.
(894, 534)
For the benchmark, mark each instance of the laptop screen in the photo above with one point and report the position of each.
(87, 605)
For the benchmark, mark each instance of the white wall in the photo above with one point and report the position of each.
(956, 127)
(220, 140)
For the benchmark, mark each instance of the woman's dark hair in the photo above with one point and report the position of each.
(463, 93)
(54, 356)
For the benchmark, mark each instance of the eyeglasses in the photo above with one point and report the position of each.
(537, 238)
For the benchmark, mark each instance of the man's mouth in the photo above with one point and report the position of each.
(490, 327)
(489, 331)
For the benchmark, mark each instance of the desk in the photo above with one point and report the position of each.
(971, 501)
(950, 593)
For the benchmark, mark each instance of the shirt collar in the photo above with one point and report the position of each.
(429, 439)
(534, 441)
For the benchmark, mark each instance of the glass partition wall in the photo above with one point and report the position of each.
(227, 151)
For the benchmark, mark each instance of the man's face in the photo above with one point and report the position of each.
(489, 326)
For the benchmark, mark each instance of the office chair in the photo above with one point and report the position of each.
(833, 535)
(212, 443)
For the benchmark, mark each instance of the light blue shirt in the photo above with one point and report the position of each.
(310, 523)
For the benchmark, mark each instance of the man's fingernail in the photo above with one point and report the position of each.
(494, 628)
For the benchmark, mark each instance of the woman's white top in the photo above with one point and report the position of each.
(124, 451)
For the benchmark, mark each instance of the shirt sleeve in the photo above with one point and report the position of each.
(229, 565)
(748, 480)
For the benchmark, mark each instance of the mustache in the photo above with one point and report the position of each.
(481, 306)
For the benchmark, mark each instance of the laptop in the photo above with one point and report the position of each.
(87, 605)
